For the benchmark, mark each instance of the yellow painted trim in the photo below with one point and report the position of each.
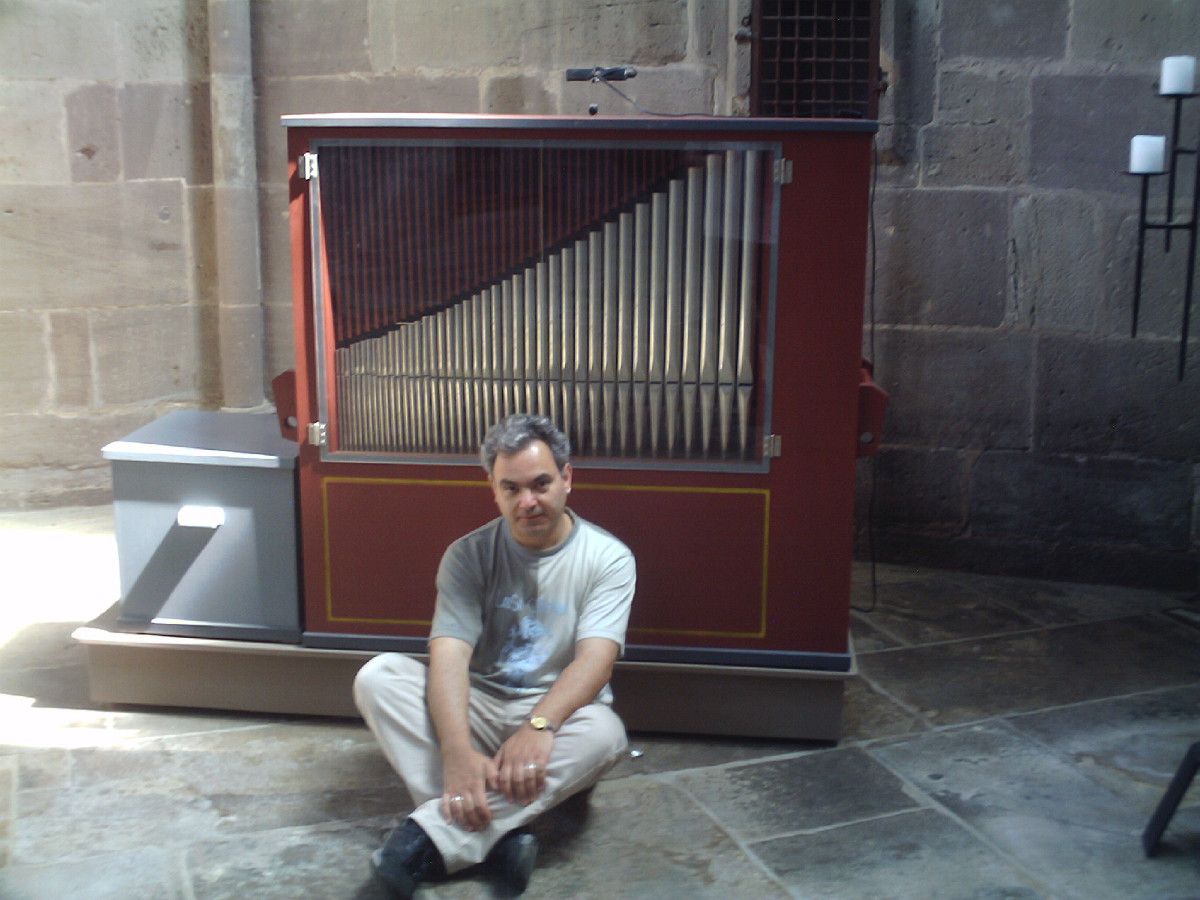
(762, 618)
(765, 492)
(343, 479)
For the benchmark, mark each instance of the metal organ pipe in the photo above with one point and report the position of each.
(637, 334)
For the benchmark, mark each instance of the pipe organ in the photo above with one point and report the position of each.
(682, 296)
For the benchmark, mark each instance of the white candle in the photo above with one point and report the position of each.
(1147, 153)
(1178, 75)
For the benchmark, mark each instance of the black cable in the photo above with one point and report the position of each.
(646, 112)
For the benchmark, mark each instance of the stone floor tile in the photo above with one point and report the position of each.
(57, 687)
(866, 638)
(131, 723)
(761, 800)
(119, 819)
(177, 789)
(977, 679)
(929, 609)
(43, 769)
(271, 757)
(26, 727)
(147, 874)
(1064, 603)
(329, 862)
(1131, 744)
(653, 753)
(915, 855)
(643, 839)
(868, 714)
(273, 776)
(8, 794)
(42, 645)
(1069, 831)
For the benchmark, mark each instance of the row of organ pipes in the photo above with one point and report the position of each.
(640, 337)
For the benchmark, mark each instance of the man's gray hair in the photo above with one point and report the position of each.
(517, 432)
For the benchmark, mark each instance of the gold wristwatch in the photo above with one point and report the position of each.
(539, 723)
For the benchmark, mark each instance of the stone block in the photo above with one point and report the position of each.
(1083, 499)
(678, 90)
(93, 245)
(531, 34)
(204, 244)
(1058, 261)
(235, 241)
(162, 40)
(209, 393)
(1116, 396)
(953, 388)
(915, 487)
(26, 366)
(637, 32)
(1164, 278)
(1061, 560)
(1005, 29)
(1081, 126)
(322, 37)
(982, 97)
(59, 39)
(165, 132)
(275, 237)
(942, 257)
(54, 487)
(71, 358)
(145, 354)
(92, 133)
(973, 155)
(240, 330)
(1121, 31)
(71, 441)
(517, 94)
(910, 49)
(32, 140)
(281, 341)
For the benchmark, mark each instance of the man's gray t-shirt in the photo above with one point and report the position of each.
(523, 612)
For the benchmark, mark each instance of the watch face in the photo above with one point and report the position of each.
(539, 722)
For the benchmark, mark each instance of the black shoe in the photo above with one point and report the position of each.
(407, 858)
(513, 858)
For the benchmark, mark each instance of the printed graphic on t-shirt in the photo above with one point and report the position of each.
(526, 650)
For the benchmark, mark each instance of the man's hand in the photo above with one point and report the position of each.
(467, 776)
(521, 764)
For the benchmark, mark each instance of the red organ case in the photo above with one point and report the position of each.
(683, 296)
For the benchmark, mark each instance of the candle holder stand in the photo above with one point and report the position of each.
(1168, 226)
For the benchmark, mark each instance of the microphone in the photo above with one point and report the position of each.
(599, 73)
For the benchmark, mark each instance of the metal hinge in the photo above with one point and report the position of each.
(783, 171)
(308, 166)
(772, 446)
(317, 434)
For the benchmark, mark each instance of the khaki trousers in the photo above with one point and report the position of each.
(390, 693)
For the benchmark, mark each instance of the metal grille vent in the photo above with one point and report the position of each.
(816, 59)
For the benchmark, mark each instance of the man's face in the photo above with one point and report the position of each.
(532, 496)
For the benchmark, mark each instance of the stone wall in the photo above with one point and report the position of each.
(104, 184)
(1028, 432)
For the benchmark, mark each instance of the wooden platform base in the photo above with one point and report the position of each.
(155, 670)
